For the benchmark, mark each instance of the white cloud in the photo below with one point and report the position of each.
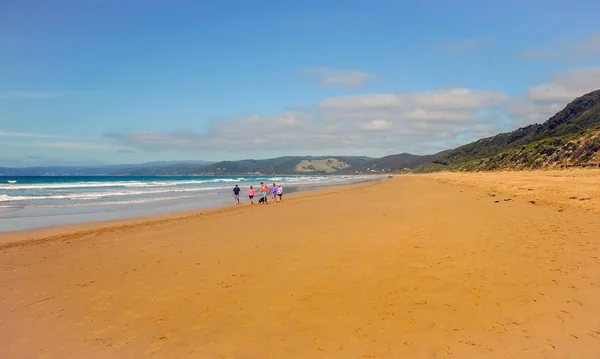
(529, 112)
(552, 92)
(24, 95)
(567, 50)
(329, 77)
(566, 85)
(363, 124)
(427, 115)
(362, 102)
(25, 134)
(448, 99)
(78, 146)
(376, 125)
(351, 124)
(543, 101)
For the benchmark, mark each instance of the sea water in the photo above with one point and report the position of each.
(34, 202)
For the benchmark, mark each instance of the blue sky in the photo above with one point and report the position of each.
(104, 81)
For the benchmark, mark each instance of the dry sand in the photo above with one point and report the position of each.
(570, 188)
(407, 268)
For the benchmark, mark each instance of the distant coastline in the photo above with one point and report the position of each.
(280, 166)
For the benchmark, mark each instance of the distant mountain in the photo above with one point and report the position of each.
(389, 164)
(283, 165)
(141, 169)
(289, 165)
(168, 163)
(54, 171)
(160, 168)
(569, 138)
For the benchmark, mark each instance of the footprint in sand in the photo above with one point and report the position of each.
(574, 302)
(443, 352)
(526, 333)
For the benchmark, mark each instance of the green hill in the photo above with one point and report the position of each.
(282, 165)
(389, 164)
(569, 138)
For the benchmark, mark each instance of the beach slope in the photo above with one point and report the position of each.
(408, 267)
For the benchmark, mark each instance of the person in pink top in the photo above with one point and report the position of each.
(279, 193)
(251, 194)
(264, 189)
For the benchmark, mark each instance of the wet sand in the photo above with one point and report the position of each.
(432, 266)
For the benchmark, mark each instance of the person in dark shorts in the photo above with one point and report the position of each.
(264, 189)
(279, 193)
(251, 194)
(236, 194)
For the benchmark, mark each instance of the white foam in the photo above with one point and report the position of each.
(34, 186)
(38, 193)
(40, 186)
(133, 184)
(96, 195)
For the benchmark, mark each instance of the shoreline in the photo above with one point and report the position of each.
(19, 219)
(10, 239)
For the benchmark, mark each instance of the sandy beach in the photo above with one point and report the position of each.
(501, 265)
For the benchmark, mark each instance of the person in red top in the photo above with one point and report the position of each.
(251, 194)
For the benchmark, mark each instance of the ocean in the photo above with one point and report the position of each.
(36, 202)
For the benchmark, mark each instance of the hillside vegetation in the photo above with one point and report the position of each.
(327, 165)
(393, 163)
(569, 138)
(282, 165)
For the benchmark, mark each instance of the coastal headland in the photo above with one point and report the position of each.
(444, 265)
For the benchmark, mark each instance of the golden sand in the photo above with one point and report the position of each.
(406, 268)
(571, 188)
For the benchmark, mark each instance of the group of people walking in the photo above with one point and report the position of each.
(276, 192)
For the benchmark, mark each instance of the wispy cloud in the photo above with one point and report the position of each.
(25, 95)
(544, 100)
(566, 85)
(78, 146)
(126, 150)
(347, 124)
(26, 134)
(566, 50)
(376, 125)
(330, 77)
(460, 46)
(54, 141)
(371, 123)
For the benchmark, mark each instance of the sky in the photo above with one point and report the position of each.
(130, 81)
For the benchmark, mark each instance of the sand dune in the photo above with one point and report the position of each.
(407, 268)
